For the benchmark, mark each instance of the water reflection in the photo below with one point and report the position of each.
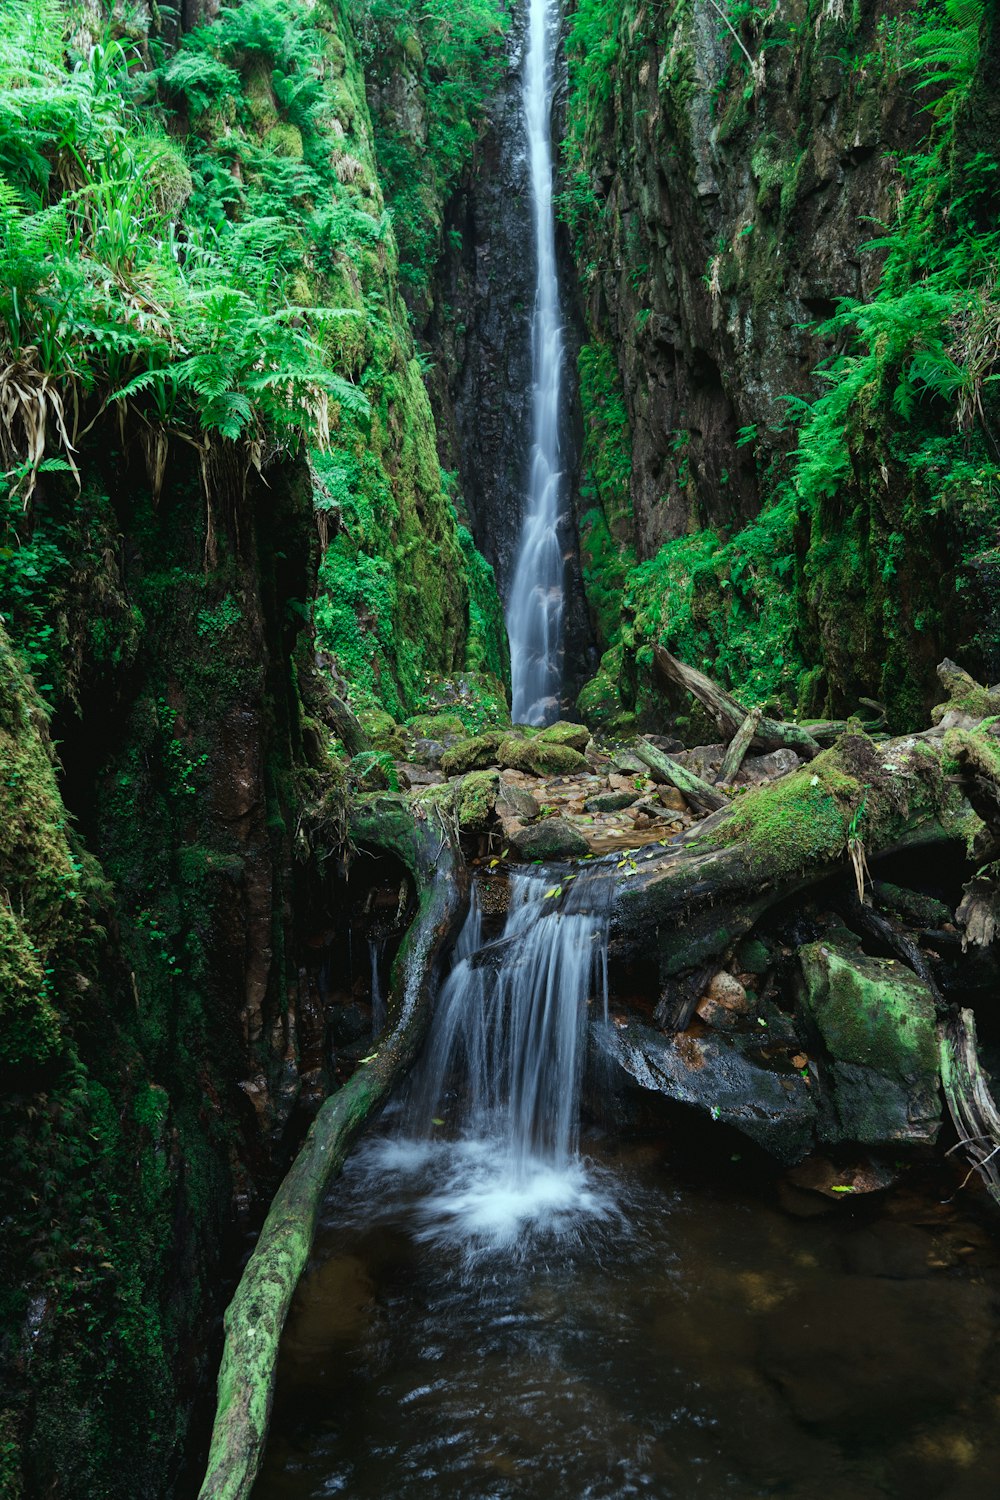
(692, 1340)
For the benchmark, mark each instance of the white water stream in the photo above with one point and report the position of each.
(535, 605)
(488, 1138)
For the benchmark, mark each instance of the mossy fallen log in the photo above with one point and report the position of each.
(694, 897)
(701, 796)
(728, 714)
(256, 1316)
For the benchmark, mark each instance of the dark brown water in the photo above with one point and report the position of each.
(666, 1336)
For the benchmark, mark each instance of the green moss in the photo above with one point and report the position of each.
(576, 736)
(476, 798)
(472, 754)
(541, 759)
(285, 140)
(801, 821)
(444, 726)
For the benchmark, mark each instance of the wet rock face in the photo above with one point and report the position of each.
(875, 1021)
(775, 1110)
(725, 225)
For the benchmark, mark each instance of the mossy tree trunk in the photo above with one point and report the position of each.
(256, 1316)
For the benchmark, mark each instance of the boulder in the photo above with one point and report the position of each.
(540, 758)
(724, 1002)
(427, 752)
(473, 754)
(611, 801)
(440, 726)
(518, 801)
(576, 736)
(874, 1025)
(757, 769)
(553, 839)
(773, 1108)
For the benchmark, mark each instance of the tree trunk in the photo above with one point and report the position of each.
(256, 1316)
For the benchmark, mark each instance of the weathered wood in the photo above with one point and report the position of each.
(702, 797)
(729, 714)
(970, 1102)
(690, 900)
(738, 747)
(880, 927)
(256, 1315)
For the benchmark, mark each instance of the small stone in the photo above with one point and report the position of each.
(611, 801)
(725, 990)
(671, 798)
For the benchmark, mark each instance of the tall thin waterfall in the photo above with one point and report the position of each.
(535, 605)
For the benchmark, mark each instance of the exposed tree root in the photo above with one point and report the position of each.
(256, 1316)
(973, 1108)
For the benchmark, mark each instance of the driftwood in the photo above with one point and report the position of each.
(702, 797)
(256, 1315)
(728, 714)
(738, 747)
(970, 1101)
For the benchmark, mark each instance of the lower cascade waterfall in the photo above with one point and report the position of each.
(535, 604)
(492, 1116)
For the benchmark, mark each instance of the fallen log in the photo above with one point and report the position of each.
(738, 747)
(256, 1315)
(702, 797)
(690, 900)
(973, 1109)
(728, 714)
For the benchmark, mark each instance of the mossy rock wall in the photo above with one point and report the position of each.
(720, 218)
(161, 1016)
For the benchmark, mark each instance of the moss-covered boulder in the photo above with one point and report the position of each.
(576, 736)
(383, 732)
(475, 800)
(443, 726)
(540, 758)
(552, 839)
(473, 754)
(874, 1023)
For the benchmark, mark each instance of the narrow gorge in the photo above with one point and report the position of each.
(500, 776)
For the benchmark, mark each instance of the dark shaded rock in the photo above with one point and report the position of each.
(876, 1023)
(757, 769)
(774, 1109)
(912, 906)
(348, 1024)
(552, 839)
(610, 801)
(428, 752)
